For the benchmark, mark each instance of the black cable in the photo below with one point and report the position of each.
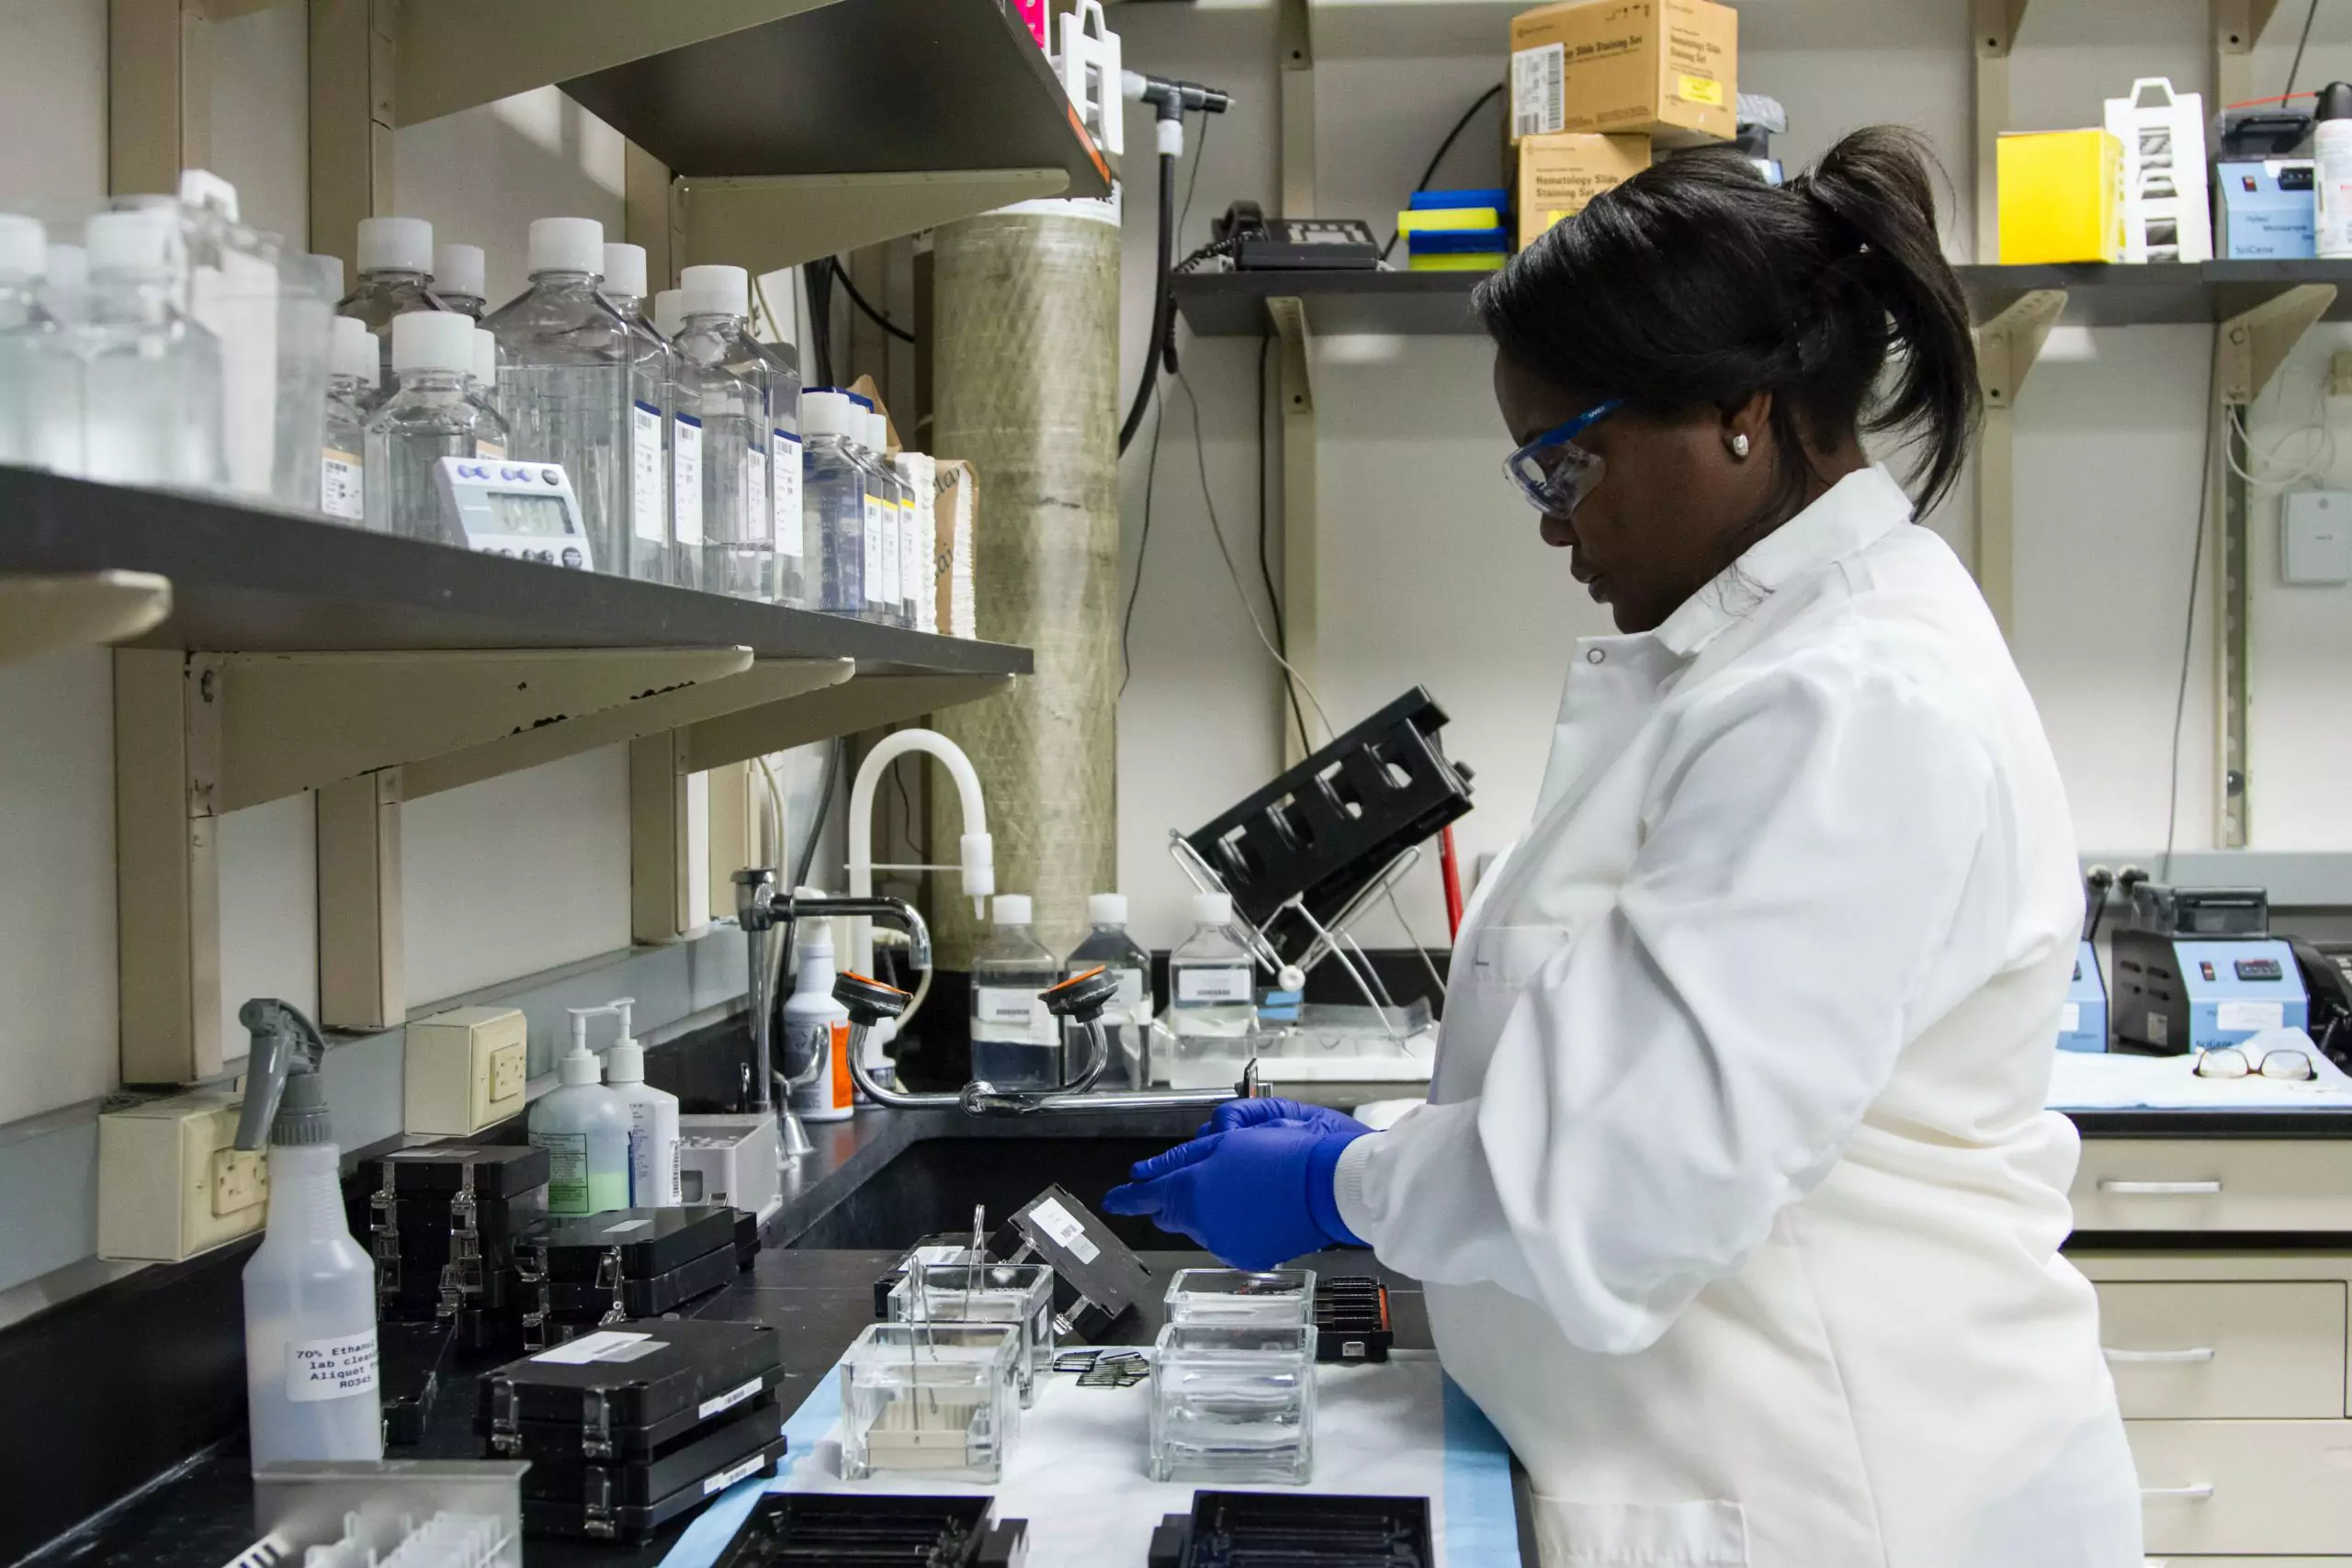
(2188, 634)
(876, 317)
(1489, 95)
(819, 283)
(807, 856)
(1143, 542)
(1154, 344)
(2297, 66)
(1265, 571)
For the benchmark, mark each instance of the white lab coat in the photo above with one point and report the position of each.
(1736, 1199)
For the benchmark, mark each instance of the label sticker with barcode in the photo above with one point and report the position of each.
(612, 1345)
(1539, 105)
(727, 1478)
(727, 1400)
(1064, 1227)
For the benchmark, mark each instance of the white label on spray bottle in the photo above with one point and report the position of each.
(330, 1369)
(783, 473)
(339, 485)
(758, 514)
(1213, 985)
(645, 471)
(685, 463)
(874, 535)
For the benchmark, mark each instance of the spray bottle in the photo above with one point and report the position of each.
(583, 1126)
(652, 1118)
(309, 1290)
(815, 1033)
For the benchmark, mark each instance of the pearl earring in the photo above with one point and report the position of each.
(1739, 444)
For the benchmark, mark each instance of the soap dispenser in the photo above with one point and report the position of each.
(652, 1118)
(309, 1290)
(583, 1126)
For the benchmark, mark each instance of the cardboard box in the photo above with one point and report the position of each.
(955, 546)
(2262, 210)
(1666, 69)
(2061, 197)
(1557, 174)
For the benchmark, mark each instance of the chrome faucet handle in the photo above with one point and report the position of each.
(869, 1002)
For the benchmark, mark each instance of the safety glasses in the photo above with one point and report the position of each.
(1553, 473)
(2229, 1062)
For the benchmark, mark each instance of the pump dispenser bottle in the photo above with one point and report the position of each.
(309, 1290)
(584, 1128)
(652, 1118)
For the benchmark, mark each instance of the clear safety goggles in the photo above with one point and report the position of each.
(1552, 472)
(2229, 1062)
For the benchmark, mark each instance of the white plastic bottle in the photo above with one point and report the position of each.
(2332, 174)
(584, 1128)
(1015, 1043)
(653, 553)
(815, 1025)
(1212, 1003)
(652, 1118)
(311, 1390)
(395, 261)
(351, 387)
(456, 280)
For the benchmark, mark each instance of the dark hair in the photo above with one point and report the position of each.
(1694, 285)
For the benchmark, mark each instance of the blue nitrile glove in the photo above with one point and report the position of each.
(1285, 1112)
(1254, 1196)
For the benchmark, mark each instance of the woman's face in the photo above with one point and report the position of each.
(1673, 506)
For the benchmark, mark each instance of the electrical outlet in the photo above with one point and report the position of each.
(508, 1067)
(240, 1181)
(466, 1069)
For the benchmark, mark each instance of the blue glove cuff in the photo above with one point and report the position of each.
(1322, 1188)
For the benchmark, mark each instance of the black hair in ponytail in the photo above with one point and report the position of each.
(1694, 285)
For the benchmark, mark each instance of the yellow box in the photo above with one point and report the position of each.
(1662, 68)
(1557, 174)
(1458, 261)
(2061, 197)
(1447, 220)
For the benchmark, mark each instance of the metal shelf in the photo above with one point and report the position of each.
(1414, 304)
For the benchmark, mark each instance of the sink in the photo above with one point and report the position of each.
(931, 1186)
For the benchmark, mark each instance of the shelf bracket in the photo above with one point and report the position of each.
(351, 122)
(158, 92)
(42, 614)
(868, 702)
(2005, 349)
(2237, 27)
(767, 221)
(1294, 46)
(1996, 23)
(2248, 348)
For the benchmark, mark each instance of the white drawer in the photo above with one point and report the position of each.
(2250, 1487)
(2216, 1184)
(2199, 1349)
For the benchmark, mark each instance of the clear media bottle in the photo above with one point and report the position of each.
(584, 1127)
(1211, 993)
(428, 417)
(832, 502)
(1127, 1021)
(686, 452)
(491, 438)
(722, 383)
(902, 521)
(351, 387)
(564, 378)
(1015, 1043)
(653, 551)
(395, 265)
(795, 560)
(881, 516)
(456, 280)
(151, 381)
(28, 338)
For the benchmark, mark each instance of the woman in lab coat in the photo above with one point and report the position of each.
(1734, 1199)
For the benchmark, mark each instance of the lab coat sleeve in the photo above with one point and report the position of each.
(1696, 1059)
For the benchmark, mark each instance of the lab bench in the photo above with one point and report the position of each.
(2221, 1247)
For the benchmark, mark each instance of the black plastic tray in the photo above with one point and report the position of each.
(785, 1529)
(651, 1241)
(412, 1359)
(709, 1448)
(501, 1170)
(678, 1366)
(632, 1523)
(580, 1301)
(1352, 1323)
(535, 1440)
(1235, 1529)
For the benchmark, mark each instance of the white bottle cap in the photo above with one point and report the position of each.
(328, 270)
(486, 356)
(433, 340)
(356, 353)
(717, 291)
(823, 413)
(1107, 909)
(877, 431)
(579, 1067)
(139, 240)
(667, 315)
(1213, 908)
(395, 245)
(69, 267)
(458, 269)
(625, 271)
(625, 1061)
(24, 246)
(1013, 908)
(817, 939)
(567, 244)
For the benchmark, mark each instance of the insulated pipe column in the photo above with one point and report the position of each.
(1025, 367)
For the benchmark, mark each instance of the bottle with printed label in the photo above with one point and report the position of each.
(832, 500)
(309, 1290)
(456, 280)
(881, 516)
(1211, 981)
(686, 452)
(491, 439)
(653, 549)
(564, 357)
(1127, 1021)
(429, 416)
(395, 264)
(921, 552)
(653, 1176)
(584, 1127)
(903, 569)
(351, 387)
(796, 562)
(1015, 1043)
(815, 1030)
(722, 385)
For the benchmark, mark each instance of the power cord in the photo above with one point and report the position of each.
(1489, 95)
(871, 314)
(2296, 66)
(1143, 541)
(2188, 636)
(1265, 571)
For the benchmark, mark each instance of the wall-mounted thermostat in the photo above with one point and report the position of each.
(523, 510)
(2316, 537)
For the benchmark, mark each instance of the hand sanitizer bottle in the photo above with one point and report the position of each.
(309, 1290)
(652, 1118)
(584, 1128)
